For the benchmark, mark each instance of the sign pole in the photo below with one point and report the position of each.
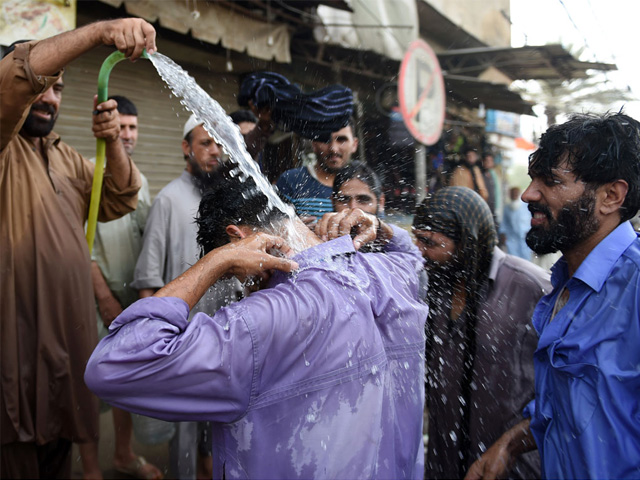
(421, 172)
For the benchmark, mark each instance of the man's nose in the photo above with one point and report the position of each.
(531, 193)
(47, 97)
(215, 149)
(353, 204)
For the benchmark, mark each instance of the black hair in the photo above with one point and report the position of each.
(243, 116)
(232, 201)
(598, 149)
(361, 171)
(12, 47)
(469, 148)
(125, 106)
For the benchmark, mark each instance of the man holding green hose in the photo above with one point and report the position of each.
(47, 315)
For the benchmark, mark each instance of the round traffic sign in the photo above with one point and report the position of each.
(421, 93)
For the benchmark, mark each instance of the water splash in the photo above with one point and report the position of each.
(226, 133)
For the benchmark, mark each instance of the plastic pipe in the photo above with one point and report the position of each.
(101, 146)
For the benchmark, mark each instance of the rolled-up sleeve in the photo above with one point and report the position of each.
(157, 363)
(401, 247)
(116, 202)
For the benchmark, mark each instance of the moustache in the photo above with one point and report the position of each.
(538, 207)
(43, 107)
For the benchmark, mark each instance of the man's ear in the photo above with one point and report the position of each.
(186, 148)
(235, 233)
(614, 194)
(381, 204)
(355, 145)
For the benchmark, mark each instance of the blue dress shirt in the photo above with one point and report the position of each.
(586, 415)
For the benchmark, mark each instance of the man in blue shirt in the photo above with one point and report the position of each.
(310, 188)
(585, 186)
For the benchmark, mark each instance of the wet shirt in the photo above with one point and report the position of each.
(169, 244)
(503, 376)
(47, 310)
(308, 195)
(319, 376)
(585, 418)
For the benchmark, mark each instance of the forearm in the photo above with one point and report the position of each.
(519, 439)
(52, 54)
(119, 166)
(499, 458)
(146, 292)
(100, 288)
(108, 305)
(193, 284)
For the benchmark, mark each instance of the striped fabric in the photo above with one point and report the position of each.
(314, 115)
(307, 194)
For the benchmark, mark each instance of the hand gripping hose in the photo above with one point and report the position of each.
(101, 146)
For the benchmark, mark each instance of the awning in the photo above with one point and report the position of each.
(380, 26)
(214, 23)
(471, 92)
(543, 62)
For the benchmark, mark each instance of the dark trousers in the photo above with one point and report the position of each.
(28, 460)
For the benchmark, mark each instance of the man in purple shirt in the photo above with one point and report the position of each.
(319, 375)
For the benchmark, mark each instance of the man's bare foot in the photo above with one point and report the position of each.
(139, 468)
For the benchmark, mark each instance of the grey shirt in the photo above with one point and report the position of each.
(169, 245)
(503, 376)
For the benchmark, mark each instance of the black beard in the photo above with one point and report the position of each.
(205, 180)
(36, 127)
(576, 222)
(331, 171)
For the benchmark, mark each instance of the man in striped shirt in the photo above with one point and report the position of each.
(309, 188)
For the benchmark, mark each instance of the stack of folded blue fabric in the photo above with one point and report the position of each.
(312, 115)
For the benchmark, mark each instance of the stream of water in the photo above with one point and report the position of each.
(226, 133)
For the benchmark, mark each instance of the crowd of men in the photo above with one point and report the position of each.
(268, 346)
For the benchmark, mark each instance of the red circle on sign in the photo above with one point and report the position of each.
(428, 95)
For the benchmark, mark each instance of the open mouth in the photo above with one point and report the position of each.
(42, 114)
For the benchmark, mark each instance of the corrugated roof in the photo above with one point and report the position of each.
(542, 62)
(471, 92)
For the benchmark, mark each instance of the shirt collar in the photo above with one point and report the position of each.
(595, 269)
(325, 251)
(319, 254)
(496, 261)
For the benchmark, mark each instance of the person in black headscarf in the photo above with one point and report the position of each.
(480, 342)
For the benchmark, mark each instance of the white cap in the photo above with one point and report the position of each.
(192, 123)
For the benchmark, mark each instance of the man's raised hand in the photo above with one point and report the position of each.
(364, 227)
(256, 255)
(129, 35)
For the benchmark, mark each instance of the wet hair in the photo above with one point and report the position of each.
(125, 106)
(598, 149)
(361, 171)
(231, 201)
(240, 116)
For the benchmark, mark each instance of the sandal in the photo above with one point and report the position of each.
(139, 468)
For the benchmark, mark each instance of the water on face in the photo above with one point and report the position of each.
(226, 133)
